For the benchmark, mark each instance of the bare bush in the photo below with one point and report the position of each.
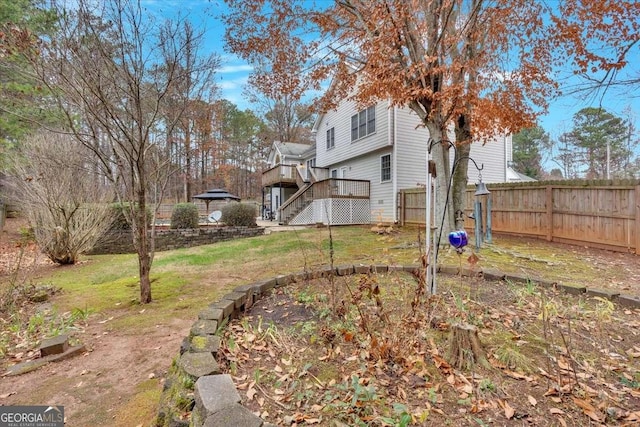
(60, 194)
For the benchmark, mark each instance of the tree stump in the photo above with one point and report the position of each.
(465, 348)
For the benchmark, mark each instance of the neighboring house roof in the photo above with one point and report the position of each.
(290, 151)
(291, 148)
(311, 152)
(515, 176)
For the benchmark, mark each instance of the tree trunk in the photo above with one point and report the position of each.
(465, 348)
(141, 238)
(444, 219)
(144, 262)
(459, 184)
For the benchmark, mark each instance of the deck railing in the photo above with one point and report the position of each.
(284, 174)
(318, 174)
(300, 176)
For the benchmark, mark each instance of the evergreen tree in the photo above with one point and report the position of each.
(526, 151)
(22, 101)
(599, 143)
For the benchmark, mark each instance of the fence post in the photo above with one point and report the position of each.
(637, 227)
(549, 205)
(401, 207)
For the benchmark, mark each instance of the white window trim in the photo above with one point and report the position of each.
(327, 138)
(366, 123)
(390, 168)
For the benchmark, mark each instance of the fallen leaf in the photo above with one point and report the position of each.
(595, 416)
(4, 396)
(532, 400)
(556, 411)
(564, 365)
(473, 259)
(517, 375)
(509, 412)
(451, 379)
(583, 404)
(251, 393)
(633, 416)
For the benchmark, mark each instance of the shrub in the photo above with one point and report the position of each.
(119, 215)
(65, 204)
(239, 214)
(185, 215)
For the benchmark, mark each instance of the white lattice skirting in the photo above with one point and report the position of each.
(335, 212)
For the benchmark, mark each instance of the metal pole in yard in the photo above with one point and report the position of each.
(428, 253)
(488, 231)
(477, 213)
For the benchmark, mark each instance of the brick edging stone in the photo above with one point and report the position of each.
(216, 400)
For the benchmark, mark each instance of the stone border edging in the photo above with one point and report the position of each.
(216, 401)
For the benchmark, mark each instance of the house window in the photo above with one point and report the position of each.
(331, 138)
(334, 173)
(385, 168)
(363, 123)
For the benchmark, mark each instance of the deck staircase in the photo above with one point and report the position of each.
(296, 203)
(350, 197)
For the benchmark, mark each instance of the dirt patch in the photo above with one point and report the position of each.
(103, 386)
(98, 387)
(551, 358)
(18, 252)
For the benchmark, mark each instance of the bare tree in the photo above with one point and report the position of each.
(288, 119)
(111, 68)
(56, 188)
(194, 88)
(473, 64)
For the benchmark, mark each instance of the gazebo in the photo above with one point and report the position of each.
(216, 194)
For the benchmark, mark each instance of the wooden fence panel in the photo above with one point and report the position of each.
(598, 216)
(413, 206)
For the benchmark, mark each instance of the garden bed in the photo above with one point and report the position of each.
(369, 358)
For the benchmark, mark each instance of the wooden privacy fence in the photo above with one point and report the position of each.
(595, 215)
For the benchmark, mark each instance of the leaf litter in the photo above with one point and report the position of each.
(380, 359)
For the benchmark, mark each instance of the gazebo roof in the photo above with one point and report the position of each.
(216, 194)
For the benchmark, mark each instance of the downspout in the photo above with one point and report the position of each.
(506, 158)
(394, 166)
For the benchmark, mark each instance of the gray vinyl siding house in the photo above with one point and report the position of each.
(363, 158)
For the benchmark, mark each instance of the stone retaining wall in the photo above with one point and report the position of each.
(121, 242)
(214, 400)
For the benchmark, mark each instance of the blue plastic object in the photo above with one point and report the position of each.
(458, 239)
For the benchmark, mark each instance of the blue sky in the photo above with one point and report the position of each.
(232, 75)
